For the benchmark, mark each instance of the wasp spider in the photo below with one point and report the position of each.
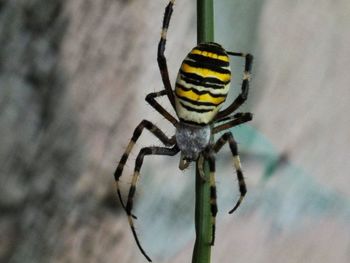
(201, 88)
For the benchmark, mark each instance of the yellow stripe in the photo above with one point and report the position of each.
(201, 98)
(203, 72)
(210, 55)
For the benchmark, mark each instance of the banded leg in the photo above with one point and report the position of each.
(242, 97)
(200, 163)
(161, 57)
(138, 164)
(213, 204)
(228, 137)
(137, 132)
(150, 98)
(237, 119)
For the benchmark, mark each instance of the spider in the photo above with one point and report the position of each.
(201, 88)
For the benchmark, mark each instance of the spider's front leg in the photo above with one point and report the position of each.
(138, 163)
(137, 132)
(150, 98)
(160, 55)
(228, 137)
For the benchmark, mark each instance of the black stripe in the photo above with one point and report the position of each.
(132, 191)
(124, 158)
(198, 83)
(129, 203)
(199, 103)
(207, 60)
(214, 210)
(198, 92)
(167, 15)
(202, 81)
(118, 172)
(217, 49)
(212, 192)
(237, 54)
(196, 110)
(193, 122)
(210, 66)
(241, 183)
(212, 44)
(249, 63)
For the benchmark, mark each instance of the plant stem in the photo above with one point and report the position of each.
(205, 21)
(202, 247)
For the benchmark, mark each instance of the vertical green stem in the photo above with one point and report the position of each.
(205, 21)
(202, 247)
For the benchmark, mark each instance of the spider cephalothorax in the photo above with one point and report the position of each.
(201, 89)
(191, 140)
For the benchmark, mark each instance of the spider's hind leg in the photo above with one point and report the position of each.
(138, 163)
(228, 137)
(137, 132)
(209, 155)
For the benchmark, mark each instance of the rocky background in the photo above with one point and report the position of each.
(73, 77)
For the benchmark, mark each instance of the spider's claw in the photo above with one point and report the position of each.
(237, 205)
(137, 241)
(183, 163)
(233, 209)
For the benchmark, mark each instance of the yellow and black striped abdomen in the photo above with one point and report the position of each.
(202, 83)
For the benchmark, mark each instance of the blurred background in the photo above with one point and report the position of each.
(73, 78)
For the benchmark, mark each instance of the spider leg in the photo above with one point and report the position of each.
(228, 137)
(242, 97)
(150, 98)
(161, 57)
(231, 121)
(213, 205)
(200, 163)
(138, 163)
(137, 132)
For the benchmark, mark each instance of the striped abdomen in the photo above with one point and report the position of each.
(202, 83)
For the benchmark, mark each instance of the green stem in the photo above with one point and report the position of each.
(202, 247)
(205, 21)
